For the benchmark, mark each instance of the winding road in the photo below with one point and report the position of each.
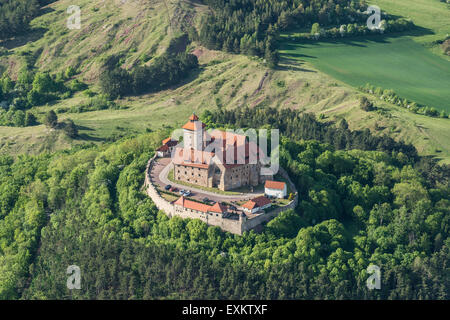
(159, 175)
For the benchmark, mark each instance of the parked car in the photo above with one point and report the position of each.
(168, 187)
(182, 191)
(206, 200)
(187, 193)
(173, 189)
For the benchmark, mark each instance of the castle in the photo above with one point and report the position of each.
(218, 159)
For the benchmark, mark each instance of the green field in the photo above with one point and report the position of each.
(401, 64)
(431, 15)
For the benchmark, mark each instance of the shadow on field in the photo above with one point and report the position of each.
(19, 41)
(84, 128)
(357, 41)
(28, 36)
(86, 137)
(292, 65)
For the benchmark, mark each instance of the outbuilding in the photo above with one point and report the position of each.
(256, 204)
(275, 189)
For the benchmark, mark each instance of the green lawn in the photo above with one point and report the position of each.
(401, 64)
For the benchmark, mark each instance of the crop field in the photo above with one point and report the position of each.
(401, 64)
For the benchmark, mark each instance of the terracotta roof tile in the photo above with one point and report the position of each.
(197, 206)
(274, 185)
(217, 207)
(193, 125)
(193, 117)
(163, 148)
(256, 203)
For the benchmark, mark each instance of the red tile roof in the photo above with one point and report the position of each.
(220, 142)
(193, 117)
(192, 205)
(274, 185)
(256, 203)
(218, 208)
(196, 158)
(194, 125)
(163, 148)
(169, 142)
(188, 204)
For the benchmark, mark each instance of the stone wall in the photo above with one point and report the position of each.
(192, 175)
(266, 217)
(160, 202)
(231, 225)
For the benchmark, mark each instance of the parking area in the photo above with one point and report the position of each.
(159, 176)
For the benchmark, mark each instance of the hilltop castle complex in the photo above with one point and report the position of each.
(219, 159)
(216, 159)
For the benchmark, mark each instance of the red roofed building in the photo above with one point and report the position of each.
(275, 189)
(219, 159)
(256, 204)
(167, 147)
(184, 205)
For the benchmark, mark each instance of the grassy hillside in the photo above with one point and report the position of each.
(141, 30)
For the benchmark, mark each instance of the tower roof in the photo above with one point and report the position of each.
(194, 123)
(193, 117)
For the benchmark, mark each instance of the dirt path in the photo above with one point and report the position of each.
(261, 83)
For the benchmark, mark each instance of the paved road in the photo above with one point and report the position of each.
(160, 172)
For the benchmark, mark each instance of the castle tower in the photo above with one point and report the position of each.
(193, 133)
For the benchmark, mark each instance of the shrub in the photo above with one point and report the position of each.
(51, 119)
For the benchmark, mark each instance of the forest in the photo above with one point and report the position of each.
(357, 207)
(32, 89)
(363, 199)
(252, 27)
(167, 69)
(15, 16)
(298, 125)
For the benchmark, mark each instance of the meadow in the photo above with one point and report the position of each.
(401, 64)
(223, 81)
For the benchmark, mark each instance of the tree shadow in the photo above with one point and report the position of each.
(84, 128)
(356, 41)
(290, 66)
(21, 40)
(86, 137)
(31, 35)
